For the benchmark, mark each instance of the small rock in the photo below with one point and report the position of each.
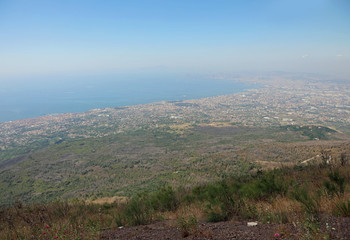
(252, 224)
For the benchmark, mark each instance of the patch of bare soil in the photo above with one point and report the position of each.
(339, 228)
(221, 230)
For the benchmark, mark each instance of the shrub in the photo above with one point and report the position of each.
(164, 200)
(139, 210)
(199, 192)
(221, 201)
(311, 204)
(248, 211)
(266, 186)
(336, 185)
(330, 188)
(338, 180)
(343, 209)
(187, 225)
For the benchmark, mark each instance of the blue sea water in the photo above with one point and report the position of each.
(29, 98)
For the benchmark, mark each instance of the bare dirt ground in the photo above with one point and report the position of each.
(338, 228)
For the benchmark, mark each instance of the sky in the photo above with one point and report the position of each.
(41, 37)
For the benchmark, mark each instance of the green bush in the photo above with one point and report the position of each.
(139, 210)
(311, 204)
(187, 225)
(267, 185)
(248, 211)
(222, 201)
(336, 185)
(189, 198)
(164, 200)
(330, 188)
(215, 215)
(199, 192)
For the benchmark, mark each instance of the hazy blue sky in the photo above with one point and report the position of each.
(63, 36)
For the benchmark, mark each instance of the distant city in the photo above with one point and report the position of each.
(283, 99)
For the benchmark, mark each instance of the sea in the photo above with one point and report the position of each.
(38, 96)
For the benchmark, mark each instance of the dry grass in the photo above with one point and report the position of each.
(87, 220)
(60, 220)
(192, 210)
(108, 200)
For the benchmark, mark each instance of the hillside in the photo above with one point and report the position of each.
(127, 163)
(298, 202)
(278, 155)
(123, 151)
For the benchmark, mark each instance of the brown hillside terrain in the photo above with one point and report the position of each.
(340, 229)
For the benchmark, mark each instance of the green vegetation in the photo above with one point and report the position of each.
(188, 225)
(336, 185)
(342, 208)
(222, 171)
(262, 197)
(128, 163)
(312, 132)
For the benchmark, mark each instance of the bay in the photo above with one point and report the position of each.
(33, 97)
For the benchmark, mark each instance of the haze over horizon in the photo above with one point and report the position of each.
(64, 37)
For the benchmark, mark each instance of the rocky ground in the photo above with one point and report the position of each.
(338, 228)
